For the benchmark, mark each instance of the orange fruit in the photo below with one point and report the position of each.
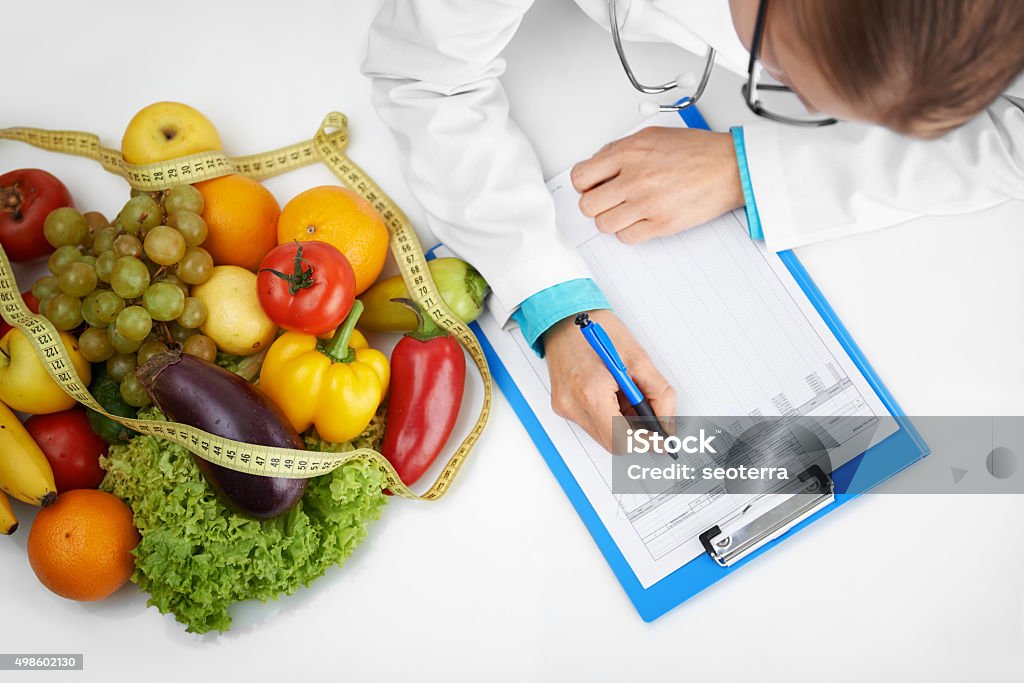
(340, 217)
(80, 547)
(242, 217)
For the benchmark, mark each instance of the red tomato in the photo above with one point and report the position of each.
(27, 196)
(33, 305)
(71, 447)
(306, 287)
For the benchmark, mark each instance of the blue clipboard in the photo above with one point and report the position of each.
(867, 470)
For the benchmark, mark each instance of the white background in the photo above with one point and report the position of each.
(500, 581)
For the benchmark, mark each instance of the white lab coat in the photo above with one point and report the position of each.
(435, 66)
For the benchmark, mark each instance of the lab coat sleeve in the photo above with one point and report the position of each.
(542, 310)
(435, 68)
(818, 184)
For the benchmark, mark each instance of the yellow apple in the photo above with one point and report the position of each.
(167, 130)
(25, 384)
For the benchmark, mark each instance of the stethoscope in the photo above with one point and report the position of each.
(683, 80)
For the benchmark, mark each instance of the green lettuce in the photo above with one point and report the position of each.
(197, 557)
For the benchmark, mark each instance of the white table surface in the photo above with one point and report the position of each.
(501, 581)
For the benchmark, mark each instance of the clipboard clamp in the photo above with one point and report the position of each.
(765, 519)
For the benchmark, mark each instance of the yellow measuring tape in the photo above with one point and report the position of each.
(327, 146)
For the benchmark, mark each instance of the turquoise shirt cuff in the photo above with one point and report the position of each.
(753, 218)
(548, 306)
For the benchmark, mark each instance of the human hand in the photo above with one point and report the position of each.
(582, 389)
(659, 181)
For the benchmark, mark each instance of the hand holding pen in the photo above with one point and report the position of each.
(582, 389)
(602, 345)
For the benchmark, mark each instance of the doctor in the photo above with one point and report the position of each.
(917, 85)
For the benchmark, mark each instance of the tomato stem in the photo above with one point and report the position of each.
(337, 349)
(300, 278)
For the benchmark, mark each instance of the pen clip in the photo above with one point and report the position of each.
(605, 341)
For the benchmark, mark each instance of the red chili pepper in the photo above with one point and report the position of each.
(428, 374)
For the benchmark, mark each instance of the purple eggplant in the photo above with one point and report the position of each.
(201, 394)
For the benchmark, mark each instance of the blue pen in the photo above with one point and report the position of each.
(605, 350)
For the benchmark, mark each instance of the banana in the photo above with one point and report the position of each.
(25, 473)
(8, 522)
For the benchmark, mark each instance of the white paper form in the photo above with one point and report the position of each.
(732, 331)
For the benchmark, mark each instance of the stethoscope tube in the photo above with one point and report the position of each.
(683, 80)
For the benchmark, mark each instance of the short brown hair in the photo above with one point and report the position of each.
(923, 67)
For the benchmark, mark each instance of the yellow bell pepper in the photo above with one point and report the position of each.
(334, 384)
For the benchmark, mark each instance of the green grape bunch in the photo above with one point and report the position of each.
(124, 286)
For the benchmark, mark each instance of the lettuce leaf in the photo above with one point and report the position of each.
(197, 557)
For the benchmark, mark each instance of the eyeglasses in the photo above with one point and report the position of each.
(773, 101)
